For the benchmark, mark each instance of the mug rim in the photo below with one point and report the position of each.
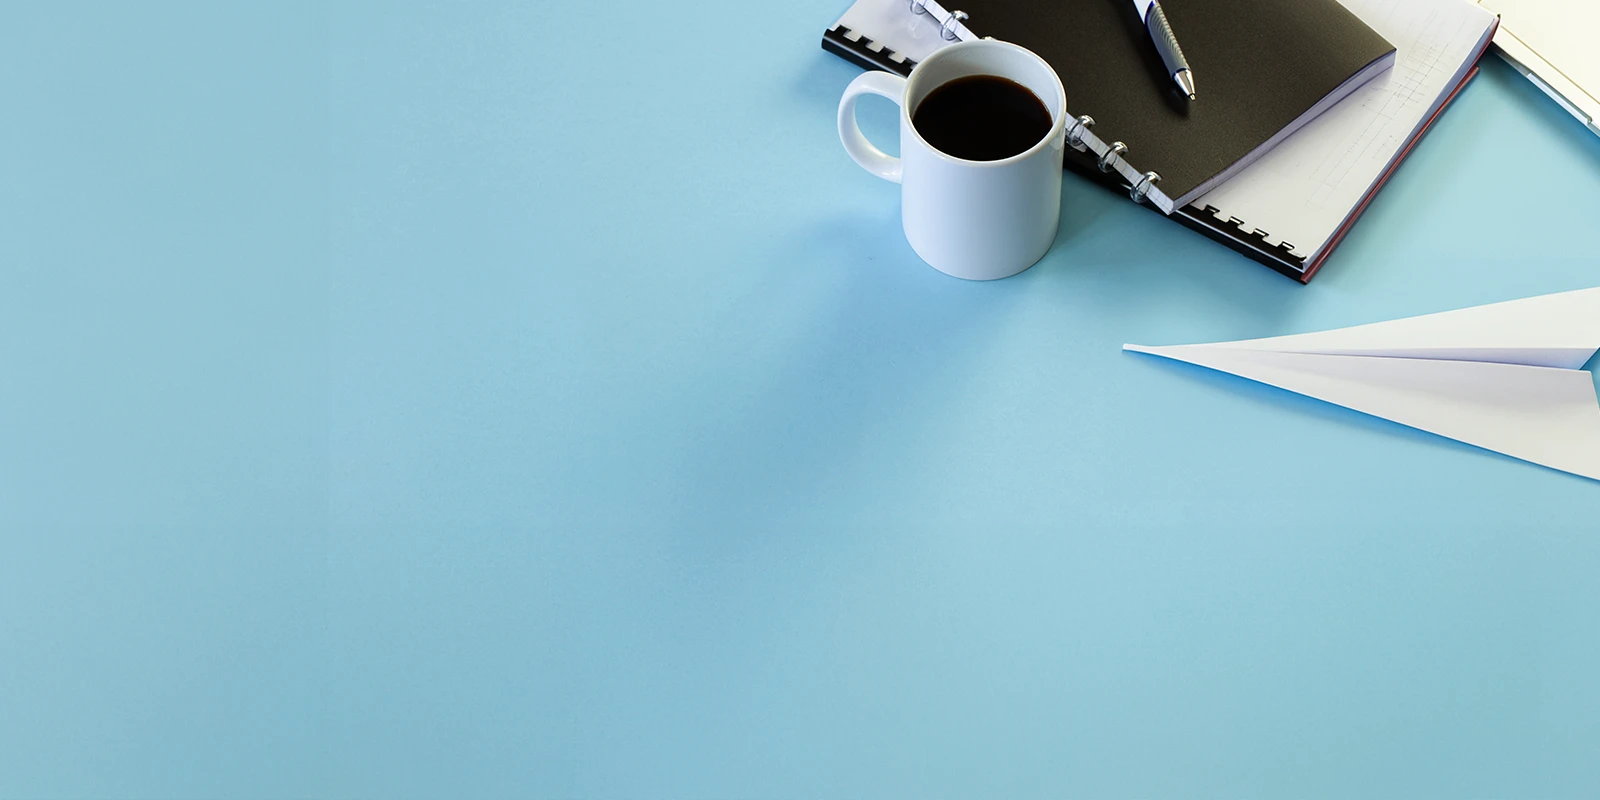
(1057, 125)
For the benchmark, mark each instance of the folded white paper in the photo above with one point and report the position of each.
(1506, 377)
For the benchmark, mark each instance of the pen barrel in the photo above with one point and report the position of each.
(1166, 43)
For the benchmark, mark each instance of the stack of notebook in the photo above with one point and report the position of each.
(1305, 107)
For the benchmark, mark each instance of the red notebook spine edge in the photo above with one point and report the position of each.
(1350, 221)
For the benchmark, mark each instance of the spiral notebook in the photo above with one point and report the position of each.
(1308, 78)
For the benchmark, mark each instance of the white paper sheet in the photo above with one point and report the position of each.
(1303, 190)
(1504, 377)
(1552, 42)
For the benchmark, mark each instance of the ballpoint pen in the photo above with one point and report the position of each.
(1166, 44)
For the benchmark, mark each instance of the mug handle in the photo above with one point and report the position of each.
(871, 159)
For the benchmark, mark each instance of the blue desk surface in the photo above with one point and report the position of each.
(533, 400)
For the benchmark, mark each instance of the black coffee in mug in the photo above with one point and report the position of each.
(982, 118)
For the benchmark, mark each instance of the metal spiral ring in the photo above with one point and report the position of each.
(1110, 157)
(948, 29)
(1076, 131)
(1141, 190)
(919, 6)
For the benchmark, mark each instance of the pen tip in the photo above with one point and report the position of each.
(1185, 80)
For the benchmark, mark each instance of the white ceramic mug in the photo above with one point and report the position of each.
(979, 220)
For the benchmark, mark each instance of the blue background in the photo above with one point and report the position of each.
(532, 399)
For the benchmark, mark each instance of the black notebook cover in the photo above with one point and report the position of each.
(1259, 65)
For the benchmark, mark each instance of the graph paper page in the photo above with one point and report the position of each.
(1302, 191)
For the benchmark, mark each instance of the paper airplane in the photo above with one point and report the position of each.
(1506, 377)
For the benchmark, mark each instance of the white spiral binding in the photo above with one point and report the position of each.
(1141, 190)
(1077, 129)
(949, 27)
(1108, 159)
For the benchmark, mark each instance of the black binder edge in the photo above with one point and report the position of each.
(1250, 242)
(1230, 232)
(864, 52)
